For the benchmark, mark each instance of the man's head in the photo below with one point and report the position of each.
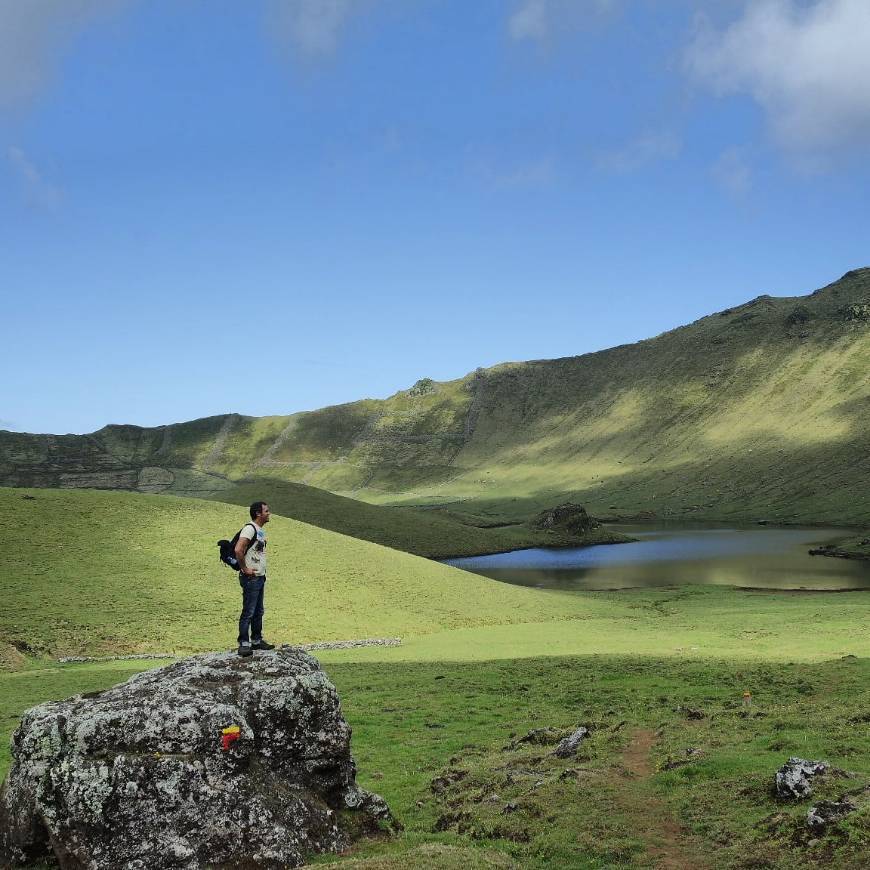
(260, 513)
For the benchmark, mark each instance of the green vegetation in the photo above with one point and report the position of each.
(481, 663)
(418, 722)
(109, 572)
(858, 546)
(437, 533)
(855, 547)
(649, 784)
(756, 412)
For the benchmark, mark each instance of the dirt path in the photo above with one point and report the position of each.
(668, 846)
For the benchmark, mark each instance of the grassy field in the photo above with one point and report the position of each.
(108, 572)
(433, 533)
(676, 771)
(650, 785)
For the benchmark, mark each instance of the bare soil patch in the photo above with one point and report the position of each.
(669, 846)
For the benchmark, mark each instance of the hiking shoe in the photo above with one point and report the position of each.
(245, 650)
(262, 644)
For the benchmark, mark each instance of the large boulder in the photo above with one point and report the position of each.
(568, 517)
(142, 775)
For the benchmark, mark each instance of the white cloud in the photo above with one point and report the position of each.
(312, 27)
(33, 34)
(733, 173)
(647, 148)
(806, 65)
(529, 20)
(38, 192)
(537, 20)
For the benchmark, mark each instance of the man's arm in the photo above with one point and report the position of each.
(242, 546)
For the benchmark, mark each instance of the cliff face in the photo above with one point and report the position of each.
(763, 408)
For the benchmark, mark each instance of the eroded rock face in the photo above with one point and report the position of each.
(136, 776)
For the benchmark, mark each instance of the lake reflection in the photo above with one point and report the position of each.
(759, 557)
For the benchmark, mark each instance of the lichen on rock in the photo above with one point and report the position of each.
(136, 776)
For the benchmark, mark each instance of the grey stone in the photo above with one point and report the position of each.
(571, 744)
(827, 812)
(136, 776)
(792, 779)
(536, 737)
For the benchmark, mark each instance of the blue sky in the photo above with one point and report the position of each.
(273, 206)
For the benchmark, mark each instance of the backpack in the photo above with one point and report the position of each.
(227, 549)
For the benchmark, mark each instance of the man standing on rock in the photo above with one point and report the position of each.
(251, 555)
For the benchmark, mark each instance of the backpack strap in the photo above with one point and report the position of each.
(254, 527)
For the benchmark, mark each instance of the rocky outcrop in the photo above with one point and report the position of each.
(857, 312)
(826, 813)
(568, 517)
(571, 744)
(793, 778)
(214, 761)
(854, 548)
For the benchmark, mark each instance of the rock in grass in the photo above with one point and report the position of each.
(141, 775)
(828, 812)
(568, 517)
(536, 737)
(792, 779)
(571, 744)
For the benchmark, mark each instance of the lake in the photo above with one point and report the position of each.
(759, 557)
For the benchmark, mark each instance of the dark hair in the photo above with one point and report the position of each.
(257, 508)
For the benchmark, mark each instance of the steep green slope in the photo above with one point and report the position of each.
(758, 411)
(436, 534)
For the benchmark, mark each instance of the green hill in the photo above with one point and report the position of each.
(99, 573)
(434, 533)
(481, 664)
(760, 411)
(108, 572)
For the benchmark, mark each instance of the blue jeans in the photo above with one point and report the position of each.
(252, 608)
